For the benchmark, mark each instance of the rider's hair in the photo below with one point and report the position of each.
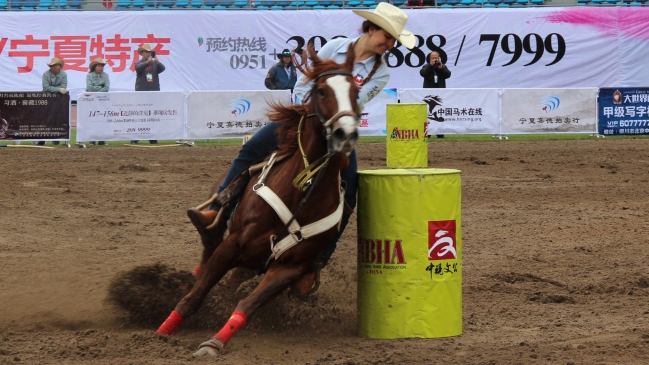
(365, 27)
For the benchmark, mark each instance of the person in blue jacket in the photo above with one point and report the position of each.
(283, 74)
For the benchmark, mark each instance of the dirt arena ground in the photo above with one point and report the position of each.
(555, 259)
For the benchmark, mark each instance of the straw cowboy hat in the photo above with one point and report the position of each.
(56, 61)
(144, 47)
(97, 61)
(392, 20)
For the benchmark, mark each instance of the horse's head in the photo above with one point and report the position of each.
(334, 98)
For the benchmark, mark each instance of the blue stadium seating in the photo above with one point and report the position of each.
(276, 7)
(74, 3)
(3, 4)
(44, 5)
(17, 4)
(182, 4)
(122, 4)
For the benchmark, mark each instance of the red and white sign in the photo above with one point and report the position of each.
(442, 241)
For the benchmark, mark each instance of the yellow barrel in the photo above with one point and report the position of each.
(407, 145)
(409, 253)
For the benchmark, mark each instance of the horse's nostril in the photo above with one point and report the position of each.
(339, 134)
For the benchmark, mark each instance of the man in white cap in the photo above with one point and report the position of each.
(147, 70)
(55, 80)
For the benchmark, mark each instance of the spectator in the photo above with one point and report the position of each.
(55, 80)
(97, 80)
(435, 74)
(147, 70)
(283, 74)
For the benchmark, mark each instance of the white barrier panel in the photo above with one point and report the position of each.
(549, 111)
(233, 50)
(373, 116)
(458, 111)
(226, 114)
(130, 115)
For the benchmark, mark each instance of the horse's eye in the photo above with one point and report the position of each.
(322, 93)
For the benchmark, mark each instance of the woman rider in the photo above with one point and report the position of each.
(381, 29)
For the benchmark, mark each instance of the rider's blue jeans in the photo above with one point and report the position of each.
(261, 146)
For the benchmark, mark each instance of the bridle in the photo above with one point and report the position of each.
(303, 180)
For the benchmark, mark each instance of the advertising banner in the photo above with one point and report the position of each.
(549, 111)
(233, 50)
(458, 111)
(623, 111)
(38, 116)
(373, 116)
(409, 253)
(131, 115)
(227, 114)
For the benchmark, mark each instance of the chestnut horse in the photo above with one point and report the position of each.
(321, 133)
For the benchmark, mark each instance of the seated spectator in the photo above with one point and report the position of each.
(97, 80)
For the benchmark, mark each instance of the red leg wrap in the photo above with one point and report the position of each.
(172, 323)
(234, 324)
(197, 271)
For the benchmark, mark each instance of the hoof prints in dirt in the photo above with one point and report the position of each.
(149, 293)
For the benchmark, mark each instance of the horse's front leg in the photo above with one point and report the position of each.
(277, 279)
(223, 259)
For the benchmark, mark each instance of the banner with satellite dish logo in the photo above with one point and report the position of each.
(229, 114)
(549, 111)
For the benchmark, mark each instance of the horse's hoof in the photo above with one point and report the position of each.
(206, 351)
(209, 348)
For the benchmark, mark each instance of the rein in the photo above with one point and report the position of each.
(303, 180)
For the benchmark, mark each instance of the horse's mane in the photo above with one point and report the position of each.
(289, 115)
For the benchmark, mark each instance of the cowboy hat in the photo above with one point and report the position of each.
(392, 20)
(56, 61)
(97, 61)
(285, 53)
(144, 47)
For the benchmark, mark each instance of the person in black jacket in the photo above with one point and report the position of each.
(282, 75)
(435, 74)
(147, 70)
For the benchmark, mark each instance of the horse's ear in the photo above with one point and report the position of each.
(349, 62)
(313, 55)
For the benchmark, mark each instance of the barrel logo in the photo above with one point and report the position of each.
(442, 244)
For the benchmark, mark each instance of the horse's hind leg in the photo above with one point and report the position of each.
(275, 281)
(223, 259)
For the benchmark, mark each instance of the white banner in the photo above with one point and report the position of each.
(458, 111)
(226, 114)
(131, 115)
(373, 119)
(233, 50)
(549, 111)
